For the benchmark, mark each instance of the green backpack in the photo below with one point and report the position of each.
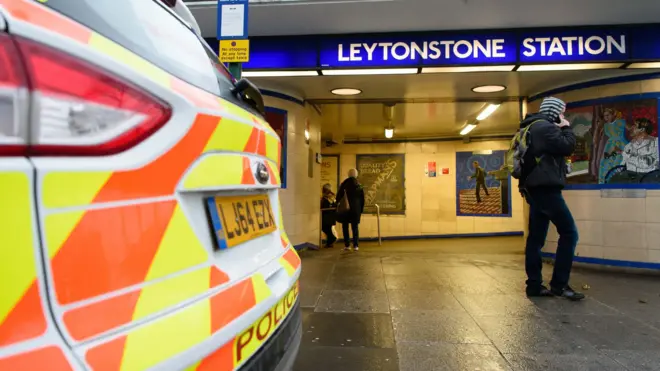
(515, 156)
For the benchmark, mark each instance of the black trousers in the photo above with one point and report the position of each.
(481, 185)
(548, 206)
(330, 238)
(355, 230)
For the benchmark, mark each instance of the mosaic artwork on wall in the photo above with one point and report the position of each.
(617, 142)
(483, 185)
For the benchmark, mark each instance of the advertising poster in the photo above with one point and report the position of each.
(330, 171)
(483, 185)
(617, 142)
(383, 179)
(431, 169)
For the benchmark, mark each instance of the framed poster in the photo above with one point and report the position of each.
(617, 141)
(483, 184)
(278, 120)
(383, 179)
(330, 171)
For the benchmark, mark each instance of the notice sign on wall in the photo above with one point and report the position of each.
(234, 51)
(330, 171)
(430, 170)
(383, 179)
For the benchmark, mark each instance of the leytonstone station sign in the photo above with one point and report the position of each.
(625, 44)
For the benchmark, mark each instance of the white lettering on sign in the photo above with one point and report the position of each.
(573, 45)
(447, 49)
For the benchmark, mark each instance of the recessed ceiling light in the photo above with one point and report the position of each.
(488, 88)
(346, 91)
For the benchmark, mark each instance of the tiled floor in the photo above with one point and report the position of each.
(458, 305)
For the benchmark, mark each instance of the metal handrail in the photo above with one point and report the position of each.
(380, 243)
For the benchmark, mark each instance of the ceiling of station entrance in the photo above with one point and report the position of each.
(413, 120)
(427, 105)
(434, 87)
(363, 16)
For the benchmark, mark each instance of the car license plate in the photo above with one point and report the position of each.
(238, 219)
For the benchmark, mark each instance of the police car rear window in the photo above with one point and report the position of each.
(151, 31)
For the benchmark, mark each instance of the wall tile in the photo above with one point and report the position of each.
(652, 209)
(623, 209)
(590, 232)
(465, 224)
(652, 231)
(654, 256)
(623, 234)
(625, 253)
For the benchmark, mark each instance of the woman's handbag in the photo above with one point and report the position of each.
(344, 206)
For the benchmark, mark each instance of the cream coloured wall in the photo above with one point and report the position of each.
(430, 202)
(300, 200)
(624, 229)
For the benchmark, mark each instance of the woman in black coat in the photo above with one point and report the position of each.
(353, 191)
(328, 215)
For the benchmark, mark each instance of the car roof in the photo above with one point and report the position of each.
(184, 13)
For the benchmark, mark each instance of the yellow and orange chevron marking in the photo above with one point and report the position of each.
(180, 331)
(21, 311)
(243, 346)
(50, 358)
(98, 187)
(102, 316)
(290, 261)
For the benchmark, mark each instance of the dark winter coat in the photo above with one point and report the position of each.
(352, 189)
(545, 160)
(328, 217)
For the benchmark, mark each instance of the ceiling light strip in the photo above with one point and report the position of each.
(496, 68)
(467, 129)
(487, 111)
(644, 65)
(568, 67)
(371, 71)
(279, 73)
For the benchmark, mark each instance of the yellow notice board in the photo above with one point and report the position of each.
(234, 51)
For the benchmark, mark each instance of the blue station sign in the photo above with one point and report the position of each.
(513, 47)
(417, 51)
(571, 46)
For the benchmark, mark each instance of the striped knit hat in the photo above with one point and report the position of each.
(553, 108)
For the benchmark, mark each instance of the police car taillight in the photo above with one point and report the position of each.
(14, 99)
(76, 108)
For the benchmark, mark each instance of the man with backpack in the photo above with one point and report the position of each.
(538, 159)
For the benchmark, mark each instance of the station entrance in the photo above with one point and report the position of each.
(429, 147)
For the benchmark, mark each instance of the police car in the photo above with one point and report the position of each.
(140, 224)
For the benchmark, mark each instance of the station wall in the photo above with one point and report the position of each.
(620, 229)
(431, 207)
(300, 198)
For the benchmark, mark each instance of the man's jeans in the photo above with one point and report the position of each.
(545, 206)
(356, 233)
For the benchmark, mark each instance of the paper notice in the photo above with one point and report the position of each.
(233, 20)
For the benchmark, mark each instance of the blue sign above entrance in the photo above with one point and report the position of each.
(414, 51)
(570, 46)
(536, 46)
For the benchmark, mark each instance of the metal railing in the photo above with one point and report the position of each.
(380, 243)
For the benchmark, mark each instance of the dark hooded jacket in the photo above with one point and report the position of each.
(355, 193)
(545, 160)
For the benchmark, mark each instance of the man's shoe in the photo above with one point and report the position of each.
(568, 293)
(356, 248)
(536, 292)
(347, 248)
